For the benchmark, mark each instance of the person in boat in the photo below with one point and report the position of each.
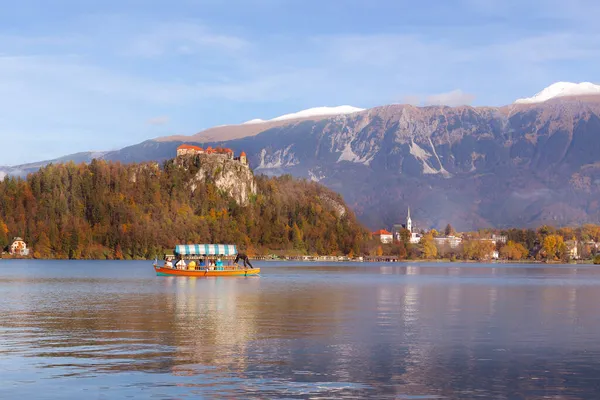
(180, 264)
(168, 263)
(243, 257)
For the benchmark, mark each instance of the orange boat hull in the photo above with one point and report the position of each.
(160, 271)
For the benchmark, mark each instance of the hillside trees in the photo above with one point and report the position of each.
(513, 251)
(429, 248)
(3, 235)
(554, 247)
(478, 249)
(112, 210)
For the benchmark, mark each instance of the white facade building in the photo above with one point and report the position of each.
(452, 241)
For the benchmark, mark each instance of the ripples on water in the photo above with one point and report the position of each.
(114, 330)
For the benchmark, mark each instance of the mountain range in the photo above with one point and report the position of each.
(536, 161)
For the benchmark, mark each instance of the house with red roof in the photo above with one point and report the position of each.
(18, 247)
(383, 236)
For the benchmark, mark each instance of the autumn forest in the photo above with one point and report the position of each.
(106, 210)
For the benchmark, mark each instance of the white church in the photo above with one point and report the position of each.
(414, 236)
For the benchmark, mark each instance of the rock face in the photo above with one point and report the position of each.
(520, 165)
(229, 176)
(337, 205)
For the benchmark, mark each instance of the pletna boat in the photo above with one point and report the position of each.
(201, 260)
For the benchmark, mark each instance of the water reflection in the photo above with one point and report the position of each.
(390, 331)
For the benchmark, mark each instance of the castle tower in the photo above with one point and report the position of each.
(408, 221)
(243, 158)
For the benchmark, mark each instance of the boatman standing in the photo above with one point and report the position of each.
(243, 257)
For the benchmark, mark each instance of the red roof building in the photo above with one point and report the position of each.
(383, 235)
(186, 149)
(382, 232)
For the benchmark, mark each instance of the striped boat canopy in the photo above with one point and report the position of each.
(206, 250)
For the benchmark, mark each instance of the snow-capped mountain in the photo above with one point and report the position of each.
(473, 167)
(311, 112)
(254, 121)
(562, 89)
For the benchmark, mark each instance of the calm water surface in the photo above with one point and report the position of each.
(96, 329)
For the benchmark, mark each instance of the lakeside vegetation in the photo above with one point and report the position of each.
(547, 243)
(106, 210)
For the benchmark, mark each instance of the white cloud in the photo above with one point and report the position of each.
(183, 39)
(159, 120)
(454, 98)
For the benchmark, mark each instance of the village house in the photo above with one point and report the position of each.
(592, 244)
(18, 247)
(572, 249)
(452, 241)
(494, 239)
(499, 238)
(383, 236)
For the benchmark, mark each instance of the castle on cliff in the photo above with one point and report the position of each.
(190, 150)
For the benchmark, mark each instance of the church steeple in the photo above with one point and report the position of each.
(408, 221)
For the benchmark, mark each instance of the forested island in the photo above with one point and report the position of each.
(109, 210)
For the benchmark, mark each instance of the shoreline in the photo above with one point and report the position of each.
(440, 261)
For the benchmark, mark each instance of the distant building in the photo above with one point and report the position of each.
(499, 238)
(572, 249)
(383, 236)
(220, 150)
(188, 149)
(18, 247)
(452, 241)
(414, 236)
(242, 158)
(494, 239)
(397, 229)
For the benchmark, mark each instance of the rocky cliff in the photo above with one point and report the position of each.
(520, 165)
(229, 176)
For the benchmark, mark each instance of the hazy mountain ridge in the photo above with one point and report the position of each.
(473, 167)
(519, 165)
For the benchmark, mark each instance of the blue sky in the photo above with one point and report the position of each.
(80, 75)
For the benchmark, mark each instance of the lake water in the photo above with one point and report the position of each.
(97, 329)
